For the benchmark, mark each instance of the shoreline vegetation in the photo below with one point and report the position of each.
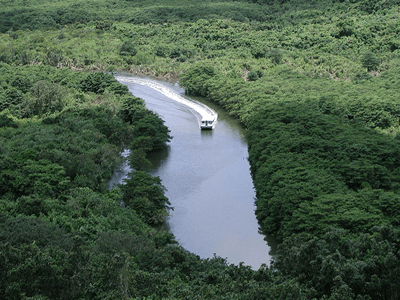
(315, 83)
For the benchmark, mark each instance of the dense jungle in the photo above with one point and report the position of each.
(316, 85)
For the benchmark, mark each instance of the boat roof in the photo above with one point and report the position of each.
(208, 118)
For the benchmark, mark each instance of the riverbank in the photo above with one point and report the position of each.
(207, 182)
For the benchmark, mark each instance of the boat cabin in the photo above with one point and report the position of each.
(207, 123)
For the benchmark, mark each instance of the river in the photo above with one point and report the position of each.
(206, 174)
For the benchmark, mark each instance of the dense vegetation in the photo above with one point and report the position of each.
(315, 83)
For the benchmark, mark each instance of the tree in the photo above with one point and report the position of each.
(41, 177)
(97, 82)
(6, 121)
(254, 75)
(145, 194)
(45, 97)
(275, 55)
(152, 126)
(195, 80)
(370, 61)
(128, 49)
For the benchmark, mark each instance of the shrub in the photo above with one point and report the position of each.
(254, 75)
(127, 49)
(96, 82)
(370, 61)
(45, 98)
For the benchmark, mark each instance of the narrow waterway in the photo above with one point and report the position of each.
(206, 174)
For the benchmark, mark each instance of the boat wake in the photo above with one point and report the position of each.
(200, 110)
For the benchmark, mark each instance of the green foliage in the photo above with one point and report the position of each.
(147, 125)
(261, 52)
(104, 121)
(96, 82)
(370, 61)
(308, 155)
(132, 109)
(59, 223)
(103, 25)
(161, 51)
(357, 212)
(12, 100)
(22, 83)
(275, 55)
(254, 75)
(40, 177)
(43, 99)
(316, 84)
(54, 57)
(128, 49)
(365, 266)
(317, 164)
(193, 80)
(152, 126)
(145, 195)
(33, 272)
(23, 230)
(138, 156)
(6, 121)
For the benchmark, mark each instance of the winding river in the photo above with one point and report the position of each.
(206, 174)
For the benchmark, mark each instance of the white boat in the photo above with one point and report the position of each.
(208, 122)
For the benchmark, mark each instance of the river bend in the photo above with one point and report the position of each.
(206, 174)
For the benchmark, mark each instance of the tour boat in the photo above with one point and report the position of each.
(208, 122)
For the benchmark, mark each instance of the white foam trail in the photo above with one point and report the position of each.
(203, 110)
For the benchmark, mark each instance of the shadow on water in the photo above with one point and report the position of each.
(159, 157)
(206, 133)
